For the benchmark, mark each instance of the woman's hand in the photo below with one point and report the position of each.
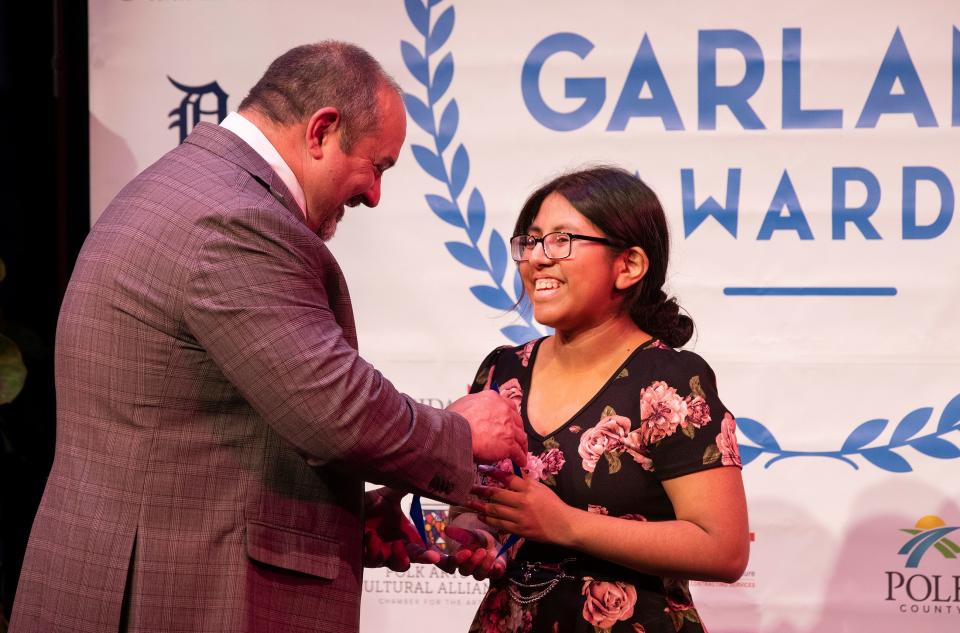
(474, 553)
(525, 507)
(711, 524)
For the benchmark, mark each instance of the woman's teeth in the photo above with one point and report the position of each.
(547, 284)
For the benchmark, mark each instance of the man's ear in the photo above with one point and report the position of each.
(632, 265)
(321, 127)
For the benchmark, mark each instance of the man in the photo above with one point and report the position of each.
(215, 423)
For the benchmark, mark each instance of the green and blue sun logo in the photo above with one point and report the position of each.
(929, 531)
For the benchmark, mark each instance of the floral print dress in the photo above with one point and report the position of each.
(657, 417)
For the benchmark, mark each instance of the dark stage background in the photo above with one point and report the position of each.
(43, 220)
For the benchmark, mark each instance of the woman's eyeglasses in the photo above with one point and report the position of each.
(556, 245)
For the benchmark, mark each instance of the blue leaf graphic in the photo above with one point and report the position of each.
(950, 415)
(887, 460)
(433, 3)
(491, 296)
(449, 121)
(757, 433)
(863, 434)
(520, 334)
(415, 63)
(419, 112)
(442, 77)
(459, 170)
(429, 162)
(498, 256)
(441, 31)
(466, 255)
(910, 425)
(445, 210)
(749, 453)
(476, 214)
(418, 16)
(936, 447)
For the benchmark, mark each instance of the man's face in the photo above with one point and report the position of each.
(347, 179)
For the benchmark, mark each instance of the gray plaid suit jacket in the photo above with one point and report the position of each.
(205, 348)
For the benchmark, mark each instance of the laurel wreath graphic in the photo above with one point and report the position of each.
(905, 434)
(454, 174)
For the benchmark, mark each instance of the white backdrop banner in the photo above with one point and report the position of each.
(807, 157)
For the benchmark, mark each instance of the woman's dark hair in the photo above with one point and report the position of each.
(629, 214)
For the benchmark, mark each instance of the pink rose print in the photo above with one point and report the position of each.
(636, 450)
(534, 468)
(495, 608)
(727, 441)
(607, 602)
(597, 509)
(553, 460)
(661, 412)
(698, 412)
(526, 624)
(524, 353)
(638, 628)
(639, 454)
(658, 344)
(511, 391)
(498, 614)
(605, 437)
(633, 517)
(538, 466)
(574, 429)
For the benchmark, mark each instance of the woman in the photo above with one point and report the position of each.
(633, 482)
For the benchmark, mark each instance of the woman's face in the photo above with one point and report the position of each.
(576, 293)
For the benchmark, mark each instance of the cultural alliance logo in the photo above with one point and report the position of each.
(425, 585)
(922, 591)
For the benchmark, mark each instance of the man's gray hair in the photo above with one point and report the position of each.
(325, 74)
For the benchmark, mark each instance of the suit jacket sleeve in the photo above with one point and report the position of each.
(258, 301)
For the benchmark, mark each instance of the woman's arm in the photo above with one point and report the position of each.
(709, 539)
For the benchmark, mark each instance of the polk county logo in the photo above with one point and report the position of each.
(198, 101)
(926, 592)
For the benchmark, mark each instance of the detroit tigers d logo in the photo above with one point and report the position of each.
(198, 101)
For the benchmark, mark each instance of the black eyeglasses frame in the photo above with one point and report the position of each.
(540, 240)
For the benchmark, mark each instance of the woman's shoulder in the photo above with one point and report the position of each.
(504, 357)
(659, 358)
(521, 352)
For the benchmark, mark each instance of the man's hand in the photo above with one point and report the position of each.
(389, 538)
(495, 427)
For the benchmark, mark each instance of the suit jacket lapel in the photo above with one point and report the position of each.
(230, 147)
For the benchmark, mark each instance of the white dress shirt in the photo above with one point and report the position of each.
(252, 136)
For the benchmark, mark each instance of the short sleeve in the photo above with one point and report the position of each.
(684, 426)
(485, 372)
